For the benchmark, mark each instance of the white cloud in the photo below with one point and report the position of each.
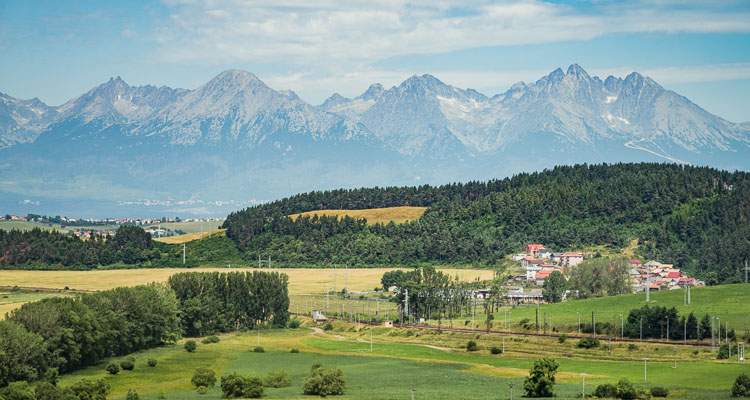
(357, 33)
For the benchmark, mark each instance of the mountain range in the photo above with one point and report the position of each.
(207, 150)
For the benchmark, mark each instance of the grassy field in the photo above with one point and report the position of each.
(375, 215)
(730, 303)
(27, 226)
(189, 237)
(301, 280)
(189, 227)
(10, 300)
(401, 360)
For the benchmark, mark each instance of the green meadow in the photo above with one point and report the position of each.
(401, 361)
(730, 303)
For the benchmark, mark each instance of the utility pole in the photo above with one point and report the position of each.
(593, 324)
(688, 294)
(579, 322)
(641, 328)
(746, 271)
(583, 387)
(713, 328)
(622, 327)
(648, 284)
(183, 256)
(328, 304)
(645, 360)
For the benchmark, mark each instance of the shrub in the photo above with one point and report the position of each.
(562, 338)
(161, 396)
(472, 346)
(294, 351)
(496, 350)
(18, 391)
(259, 349)
(606, 391)
(132, 395)
(204, 377)
(659, 391)
(234, 385)
(278, 379)
(89, 389)
(741, 387)
(328, 327)
(113, 368)
(294, 323)
(202, 390)
(151, 362)
(626, 390)
(128, 364)
(588, 343)
(52, 375)
(632, 347)
(541, 378)
(210, 339)
(322, 382)
(190, 346)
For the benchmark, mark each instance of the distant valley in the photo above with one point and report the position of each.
(123, 150)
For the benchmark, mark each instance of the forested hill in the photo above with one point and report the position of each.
(695, 217)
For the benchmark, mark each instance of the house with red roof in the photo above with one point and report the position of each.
(571, 259)
(532, 249)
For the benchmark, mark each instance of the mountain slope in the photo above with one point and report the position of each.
(234, 138)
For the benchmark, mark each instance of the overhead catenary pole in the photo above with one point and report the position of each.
(645, 360)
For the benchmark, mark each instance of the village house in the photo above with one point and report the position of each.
(533, 249)
(571, 259)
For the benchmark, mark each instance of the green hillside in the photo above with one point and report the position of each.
(730, 303)
(694, 217)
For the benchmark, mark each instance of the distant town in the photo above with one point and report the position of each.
(87, 227)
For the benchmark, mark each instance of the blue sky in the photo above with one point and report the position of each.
(57, 50)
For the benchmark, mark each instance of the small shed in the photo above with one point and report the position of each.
(319, 316)
(388, 324)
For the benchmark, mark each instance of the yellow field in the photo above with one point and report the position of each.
(301, 280)
(188, 237)
(398, 215)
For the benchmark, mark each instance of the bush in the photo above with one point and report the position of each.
(294, 351)
(322, 382)
(328, 327)
(632, 347)
(202, 390)
(606, 391)
(259, 349)
(741, 387)
(234, 385)
(294, 323)
(18, 391)
(210, 339)
(659, 391)
(278, 379)
(113, 368)
(161, 396)
(541, 378)
(132, 395)
(588, 343)
(204, 377)
(190, 346)
(562, 338)
(128, 364)
(151, 362)
(626, 390)
(46, 391)
(472, 346)
(89, 389)
(496, 350)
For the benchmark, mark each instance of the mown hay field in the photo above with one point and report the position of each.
(398, 215)
(301, 280)
(189, 237)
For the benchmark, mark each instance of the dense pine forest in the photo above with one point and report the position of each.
(694, 217)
